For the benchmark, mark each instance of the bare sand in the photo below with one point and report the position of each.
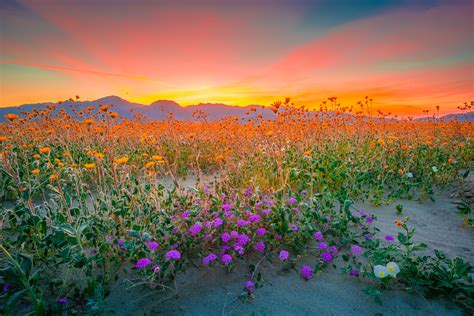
(213, 292)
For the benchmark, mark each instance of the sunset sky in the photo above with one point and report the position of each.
(407, 55)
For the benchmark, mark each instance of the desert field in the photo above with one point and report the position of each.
(238, 215)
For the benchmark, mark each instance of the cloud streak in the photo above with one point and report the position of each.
(87, 71)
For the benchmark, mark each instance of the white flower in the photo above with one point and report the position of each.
(381, 271)
(393, 268)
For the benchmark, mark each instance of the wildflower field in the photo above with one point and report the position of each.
(89, 198)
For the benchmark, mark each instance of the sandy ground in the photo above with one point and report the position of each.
(212, 292)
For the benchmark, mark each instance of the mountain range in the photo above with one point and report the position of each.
(161, 109)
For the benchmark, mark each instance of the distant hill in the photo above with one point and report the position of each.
(161, 109)
(157, 110)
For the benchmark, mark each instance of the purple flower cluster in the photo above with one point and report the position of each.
(249, 286)
(327, 257)
(260, 246)
(322, 245)
(283, 255)
(242, 222)
(318, 236)
(261, 231)
(217, 222)
(356, 250)
(225, 237)
(226, 207)
(226, 259)
(142, 263)
(306, 272)
(173, 255)
(255, 218)
(152, 245)
(195, 229)
(208, 259)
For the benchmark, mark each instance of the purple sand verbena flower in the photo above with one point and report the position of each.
(225, 237)
(226, 259)
(243, 239)
(242, 222)
(226, 207)
(322, 245)
(261, 231)
(239, 249)
(326, 256)
(333, 250)
(225, 248)
(208, 259)
(152, 245)
(255, 218)
(249, 286)
(389, 238)
(369, 219)
(291, 200)
(156, 268)
(173, 255)
(142, 263)
(354, 272)
(217, 222)
(356, 250)
(62, 300)
(260, 246)
(306, 272)
(195, 229)
(318, 235)
(283, 255)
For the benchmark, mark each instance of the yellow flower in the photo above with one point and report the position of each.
(45, 150)
(121, 161)
(11, 116)
(149, 164)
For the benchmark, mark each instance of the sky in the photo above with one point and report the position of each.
(408, 56)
